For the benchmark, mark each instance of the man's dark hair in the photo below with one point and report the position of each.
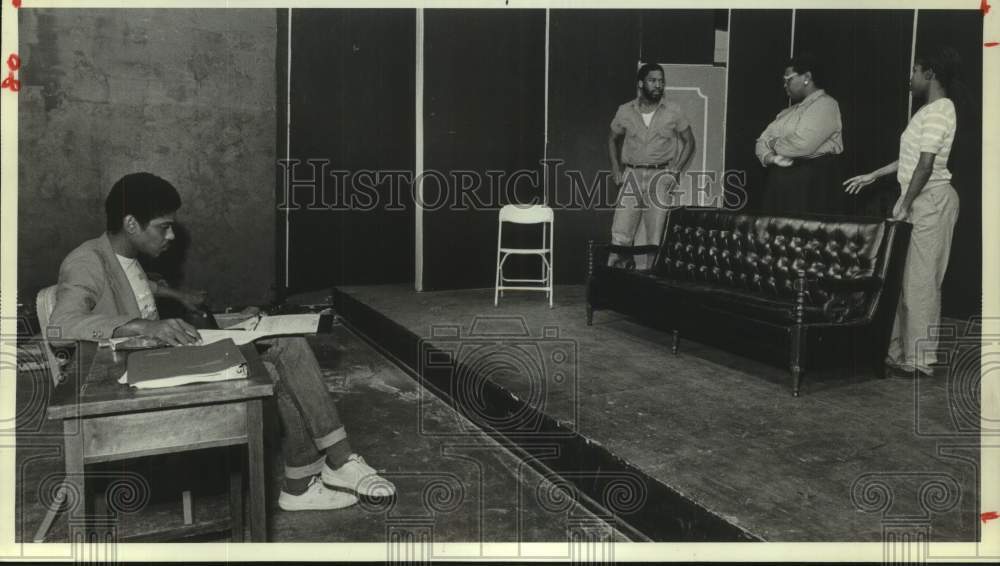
(143, 195)
(646, 69)
(807, 63)
(946, 65)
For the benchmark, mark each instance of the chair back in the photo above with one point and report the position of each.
(525, 214)
(45, 303)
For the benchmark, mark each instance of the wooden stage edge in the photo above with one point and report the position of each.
(703, 446)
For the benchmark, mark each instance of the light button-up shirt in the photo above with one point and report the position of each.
(659, 142)
(805, 130)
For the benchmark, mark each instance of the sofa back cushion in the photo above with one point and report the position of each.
(762, 255)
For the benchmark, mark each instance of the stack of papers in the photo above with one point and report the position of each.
(168, 367)
(264, 326)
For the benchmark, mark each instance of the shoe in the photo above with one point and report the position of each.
(316, 497)
(358, 477)
(906, 370)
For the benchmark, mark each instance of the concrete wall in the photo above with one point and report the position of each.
(186, 94)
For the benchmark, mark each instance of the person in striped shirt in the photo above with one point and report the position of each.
(930, 203)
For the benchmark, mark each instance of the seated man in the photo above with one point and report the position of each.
(103, 292)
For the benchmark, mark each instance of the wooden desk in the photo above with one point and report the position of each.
(105, 421)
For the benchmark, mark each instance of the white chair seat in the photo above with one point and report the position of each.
(524, 251)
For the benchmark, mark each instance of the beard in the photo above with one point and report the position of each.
(652, 95)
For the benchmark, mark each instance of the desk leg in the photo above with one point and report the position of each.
(236, 492)
(255, 465)
(75, 480)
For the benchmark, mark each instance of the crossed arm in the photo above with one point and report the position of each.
(816, 124)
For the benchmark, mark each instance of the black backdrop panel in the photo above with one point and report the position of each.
(865, 57)
(962, 30)
(592, 63)
(759, 42)
(685, 37)
(352, 99)
(484, 96)
(588, 79)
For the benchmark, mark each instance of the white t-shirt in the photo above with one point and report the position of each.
(647, 117)
(931, 130)
(140, 287)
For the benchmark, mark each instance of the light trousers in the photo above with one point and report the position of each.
(640, 212)
(933, 215)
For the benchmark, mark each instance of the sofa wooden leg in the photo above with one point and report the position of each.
(590, 315)
(881, 368)
(879, 365)
(798, 333)
(796, 379)
(676, 342)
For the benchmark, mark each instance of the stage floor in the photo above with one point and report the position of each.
(455, 483)
(849, 460)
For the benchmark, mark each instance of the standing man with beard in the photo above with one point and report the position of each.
(650, 145)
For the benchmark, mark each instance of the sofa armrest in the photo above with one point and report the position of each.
(597, 255)
(598, 252)
(838, 307)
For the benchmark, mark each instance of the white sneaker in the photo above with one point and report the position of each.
(316, 497)
(358, 477)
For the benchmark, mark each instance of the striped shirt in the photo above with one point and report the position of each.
(931, 130)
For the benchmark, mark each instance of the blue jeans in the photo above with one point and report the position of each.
(308, 415)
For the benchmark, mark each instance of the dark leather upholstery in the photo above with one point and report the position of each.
(791, 272)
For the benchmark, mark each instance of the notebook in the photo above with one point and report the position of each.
(168, 367)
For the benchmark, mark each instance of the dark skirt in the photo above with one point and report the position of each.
(807, 186)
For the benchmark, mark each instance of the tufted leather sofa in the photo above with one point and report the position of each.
(792, 290)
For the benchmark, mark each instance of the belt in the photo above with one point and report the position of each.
(650, 166)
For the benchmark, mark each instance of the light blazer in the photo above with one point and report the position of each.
(94, 296)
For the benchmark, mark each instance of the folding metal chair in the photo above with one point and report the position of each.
(526, 214)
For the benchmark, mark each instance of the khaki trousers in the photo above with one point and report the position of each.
(933, 215)
(640, 212)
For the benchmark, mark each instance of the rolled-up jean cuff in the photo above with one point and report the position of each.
(299, 472)
(324, 442)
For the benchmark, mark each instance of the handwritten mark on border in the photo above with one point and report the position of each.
(11, 82)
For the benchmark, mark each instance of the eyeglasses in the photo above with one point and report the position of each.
(787, 78)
